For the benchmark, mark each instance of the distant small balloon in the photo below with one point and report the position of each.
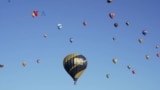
(129, 66)
(114, 38)
(34, 13)
(109, 1)
(1, 65)
(133, 71)
(108, 75)
(144, 32)
(24, 63)
(147, 56)
(85, 23)
(115, 60)
(115, 24)
(59, 26)
(140, 40)
(157, 46)
(71, 40)
(127, 23)
(38, 61)
(111, 15)
(158, 54)
(45, 35)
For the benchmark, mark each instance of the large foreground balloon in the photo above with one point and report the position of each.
(75, 65)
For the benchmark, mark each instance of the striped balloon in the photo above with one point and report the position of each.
(75, 65)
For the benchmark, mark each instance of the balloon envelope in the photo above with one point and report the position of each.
(85, 23)
(108, 75)
(109, 1)
(144, 32)
(129, 66)
(59, 26)
(111, 15)
(75, 65)
(1, 65)
(115, 60)
(140, 40)
(24, 63)
(147, 56)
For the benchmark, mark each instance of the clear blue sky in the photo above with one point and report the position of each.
(22, 40)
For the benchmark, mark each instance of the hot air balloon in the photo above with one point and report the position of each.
(115, 60)
(1, 65)
(34, 13)
(111, 15)
(115, 24)
(140, 40)
(157, 46)
(108, 75)
(59, 26)
(129, 66)
(109, 1)
(24, 63)
(147, 56)
(75, 65)
(114, 38)
(85, 23)
(144, 32)
(71, 40)
(38, 61)
(45, 35)
(127, 23)
(133, 71)
(158, 54)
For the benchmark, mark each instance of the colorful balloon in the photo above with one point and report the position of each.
(75, 65)
(38, 61)
(111, 15)
(34, 13)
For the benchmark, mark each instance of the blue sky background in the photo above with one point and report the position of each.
(22, 40)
